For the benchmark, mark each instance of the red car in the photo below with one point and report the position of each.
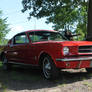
(48, 50)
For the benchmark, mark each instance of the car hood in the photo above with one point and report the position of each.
(66, 43)
(74, 43)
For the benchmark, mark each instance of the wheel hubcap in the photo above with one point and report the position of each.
(46, 68)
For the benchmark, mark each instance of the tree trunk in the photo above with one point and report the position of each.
(89, 27)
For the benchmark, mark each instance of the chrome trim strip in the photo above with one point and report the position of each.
(16, 63)
(74, 59)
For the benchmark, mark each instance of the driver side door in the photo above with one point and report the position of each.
(19, 49)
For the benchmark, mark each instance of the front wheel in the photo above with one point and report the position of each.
(6, 66)
(49, 69)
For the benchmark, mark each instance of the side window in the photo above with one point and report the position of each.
(38, 36)
(34, 38)
(20, 39)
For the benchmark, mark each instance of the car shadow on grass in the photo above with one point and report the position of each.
(20, 78)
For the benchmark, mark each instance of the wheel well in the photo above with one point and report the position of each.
(41, 58)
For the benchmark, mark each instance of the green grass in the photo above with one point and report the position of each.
(3, 87)
(16, 75)
(0, 63)
(27, 76)
(90, 75)
(77, 90)
(20, 76)
(61, 84)
(87, 84)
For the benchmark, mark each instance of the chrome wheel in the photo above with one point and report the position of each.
(46, 68)
(49, 68)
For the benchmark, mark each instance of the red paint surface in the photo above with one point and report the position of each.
(74, 64)
(31, 52)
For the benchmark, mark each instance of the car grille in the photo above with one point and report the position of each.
(85, 49)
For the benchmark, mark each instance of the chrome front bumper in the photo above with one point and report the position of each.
(74, 59)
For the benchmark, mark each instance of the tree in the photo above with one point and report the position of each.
(64, 14)
(3, 29)
(89, 28)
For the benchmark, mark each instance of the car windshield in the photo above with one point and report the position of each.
(45, 36)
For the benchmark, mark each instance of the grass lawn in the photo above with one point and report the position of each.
(0, 63)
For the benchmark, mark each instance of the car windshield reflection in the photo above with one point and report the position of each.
(46, 36)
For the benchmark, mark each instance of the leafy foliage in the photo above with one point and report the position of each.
(64, 14)
(89, 26)
(3, 29)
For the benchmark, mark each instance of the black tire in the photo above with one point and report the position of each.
(6, 65)
(49, 69)
(89, 70)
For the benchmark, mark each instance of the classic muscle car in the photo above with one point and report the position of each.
(48, 50)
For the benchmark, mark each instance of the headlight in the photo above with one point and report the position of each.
(65, 50)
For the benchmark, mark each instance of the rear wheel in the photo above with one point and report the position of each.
(49, 69)
(6, 65)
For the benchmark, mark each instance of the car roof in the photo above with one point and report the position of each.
(35, 31)
(39, 30)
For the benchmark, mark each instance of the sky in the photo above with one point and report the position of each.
(17, 20)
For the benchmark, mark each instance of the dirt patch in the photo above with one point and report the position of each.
(30, 80)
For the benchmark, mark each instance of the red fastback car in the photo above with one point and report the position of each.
(49, 50)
